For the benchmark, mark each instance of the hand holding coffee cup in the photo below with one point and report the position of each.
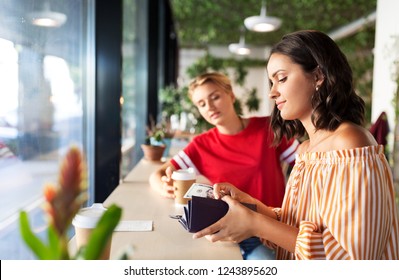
(182, 181)
(167, 188)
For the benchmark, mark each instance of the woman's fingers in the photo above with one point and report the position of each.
(222, 189)
(169, 191)
(169, 172)
(208, 232)
(215, 231)
(233, 227)
(167, 187)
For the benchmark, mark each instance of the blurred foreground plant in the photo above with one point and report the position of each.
(62, 203)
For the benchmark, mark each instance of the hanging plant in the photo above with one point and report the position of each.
(253, 100)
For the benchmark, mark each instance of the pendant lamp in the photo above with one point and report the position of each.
(240, 48)
(262, 23)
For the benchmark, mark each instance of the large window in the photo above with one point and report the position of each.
(80, 82)
(149, 59)
(134, 81)
(44, 86)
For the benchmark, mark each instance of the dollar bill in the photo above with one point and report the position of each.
(199, 189)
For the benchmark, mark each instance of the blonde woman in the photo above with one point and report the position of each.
(238, 150)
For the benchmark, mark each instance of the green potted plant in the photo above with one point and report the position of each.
(62, 203)
(154, 145)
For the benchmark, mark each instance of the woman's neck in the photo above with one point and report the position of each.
(233, 127)
(319, 141)
(317, 137)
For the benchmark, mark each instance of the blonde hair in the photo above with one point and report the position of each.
(218, 79)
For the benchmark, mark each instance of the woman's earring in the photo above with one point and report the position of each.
(317, 88)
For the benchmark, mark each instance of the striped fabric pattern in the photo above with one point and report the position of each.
(343, 203)
(184, 161)
(289, 154)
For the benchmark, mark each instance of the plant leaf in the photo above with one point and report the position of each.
(53, 242)
(58, 245)
(102, 233)
(35, 244)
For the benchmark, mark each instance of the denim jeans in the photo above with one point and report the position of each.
(253, 249)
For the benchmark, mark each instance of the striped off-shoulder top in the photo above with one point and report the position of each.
(343, 203)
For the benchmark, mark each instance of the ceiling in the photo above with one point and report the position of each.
(200, 23)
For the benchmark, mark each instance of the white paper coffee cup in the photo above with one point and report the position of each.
(182, 181)
(85, 221)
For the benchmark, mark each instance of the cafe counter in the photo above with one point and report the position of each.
(153, 234)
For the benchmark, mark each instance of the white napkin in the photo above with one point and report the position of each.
(140, 225)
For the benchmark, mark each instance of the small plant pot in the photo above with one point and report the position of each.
(153, 153)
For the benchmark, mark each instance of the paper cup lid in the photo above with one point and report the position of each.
(88, 217)
(184, 174)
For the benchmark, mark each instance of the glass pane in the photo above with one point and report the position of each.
(43, 85)
(133, 82)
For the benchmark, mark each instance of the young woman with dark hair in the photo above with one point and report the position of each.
(340, 198)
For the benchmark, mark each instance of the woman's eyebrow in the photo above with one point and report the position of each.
(275, 73)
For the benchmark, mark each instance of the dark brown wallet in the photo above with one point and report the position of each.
(202, 212)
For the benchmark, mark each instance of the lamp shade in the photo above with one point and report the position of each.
(240, 48)
(47, 18)
(262, 23)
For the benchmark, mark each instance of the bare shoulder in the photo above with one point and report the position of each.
(349, 136)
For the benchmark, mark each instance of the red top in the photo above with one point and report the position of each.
(245, 160)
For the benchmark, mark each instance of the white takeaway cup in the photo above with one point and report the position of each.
(182, 181)
(85, 221)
